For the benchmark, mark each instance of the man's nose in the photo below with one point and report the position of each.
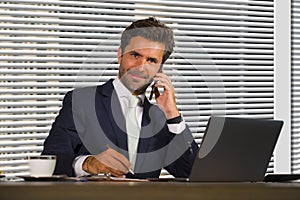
(141, 64)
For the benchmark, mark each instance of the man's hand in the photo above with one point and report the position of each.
(109, 161)
(166, 101)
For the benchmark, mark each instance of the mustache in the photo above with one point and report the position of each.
(137, 73)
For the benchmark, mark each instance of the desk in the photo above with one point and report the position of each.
(147, 190)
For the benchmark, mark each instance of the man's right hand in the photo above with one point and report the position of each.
(109, 161)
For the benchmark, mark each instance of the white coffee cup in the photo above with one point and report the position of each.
(42, 165)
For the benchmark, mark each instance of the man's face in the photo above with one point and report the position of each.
(139, 63)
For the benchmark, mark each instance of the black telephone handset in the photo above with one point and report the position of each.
(152, 86)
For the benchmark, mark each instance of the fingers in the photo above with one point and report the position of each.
(166, 100)
(120, 158)
(109, 161)
(162, 80)
(99, 167)
(114, 171)
(114, 161)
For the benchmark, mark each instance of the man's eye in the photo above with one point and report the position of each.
(154, 61)
(136, 55)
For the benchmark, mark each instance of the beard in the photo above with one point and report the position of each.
(134, 86)
(142, 89)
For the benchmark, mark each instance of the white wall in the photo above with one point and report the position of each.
(282, 83)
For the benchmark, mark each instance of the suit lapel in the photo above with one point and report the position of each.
(146, 140)
(114, 116)
(154, 139)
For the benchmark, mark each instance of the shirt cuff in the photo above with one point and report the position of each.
(177, 128)
(77, 165)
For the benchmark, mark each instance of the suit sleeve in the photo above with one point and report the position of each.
(63, 140)
(182, 166)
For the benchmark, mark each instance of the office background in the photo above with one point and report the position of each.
(232, 57)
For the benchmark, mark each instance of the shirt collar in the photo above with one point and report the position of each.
(122, 91)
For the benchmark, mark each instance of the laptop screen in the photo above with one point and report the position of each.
(235, 150)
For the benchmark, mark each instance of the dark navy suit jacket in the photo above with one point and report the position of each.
(91, 118)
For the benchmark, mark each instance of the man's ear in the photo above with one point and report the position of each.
(119, 55)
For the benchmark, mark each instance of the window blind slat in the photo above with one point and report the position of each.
(295, 122)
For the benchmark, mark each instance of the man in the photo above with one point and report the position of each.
(99, 131)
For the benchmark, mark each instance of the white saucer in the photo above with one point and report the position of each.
(43, 178)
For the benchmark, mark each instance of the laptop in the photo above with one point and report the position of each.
(235, 150)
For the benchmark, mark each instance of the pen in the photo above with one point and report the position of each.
(129, 170)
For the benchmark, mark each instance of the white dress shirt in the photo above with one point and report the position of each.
(123, 93)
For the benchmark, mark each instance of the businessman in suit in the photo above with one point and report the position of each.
(99, 131)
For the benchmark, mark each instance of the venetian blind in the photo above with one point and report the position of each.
(295, 163)
(222, 64)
